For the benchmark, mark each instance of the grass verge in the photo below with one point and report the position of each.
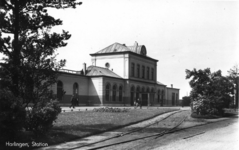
(73, 125)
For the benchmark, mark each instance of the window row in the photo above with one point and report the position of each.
(142, 90)
(60, 90)
(138, 89)
(144, 74)
(113, 93)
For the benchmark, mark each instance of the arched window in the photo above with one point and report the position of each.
(152, 95)
(75, 88)
(162, 95)
(107, 92)
(114, 92)
(143, 89)
(137, 92)
(159, 95)
(60, 91)
(120, 93)
(152, 90)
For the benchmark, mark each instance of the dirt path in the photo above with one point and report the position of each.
(225, 137)
(146, 134)
(212, 134)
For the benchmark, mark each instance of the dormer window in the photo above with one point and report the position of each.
(107, 65)
(143, 50)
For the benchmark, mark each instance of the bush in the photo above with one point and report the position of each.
(12, 114)
(40, 118)
(207, 106)
(110, 109)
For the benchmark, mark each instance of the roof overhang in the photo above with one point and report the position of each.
(125, 52)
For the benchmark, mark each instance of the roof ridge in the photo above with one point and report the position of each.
(98, 67)
(102, 71)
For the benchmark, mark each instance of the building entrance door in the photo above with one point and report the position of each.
(144, 99)
(132, 98)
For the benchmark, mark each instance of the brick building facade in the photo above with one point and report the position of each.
(119, 74)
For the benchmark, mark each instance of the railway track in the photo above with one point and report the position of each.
(128, 137)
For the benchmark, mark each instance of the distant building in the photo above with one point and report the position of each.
(119, 75)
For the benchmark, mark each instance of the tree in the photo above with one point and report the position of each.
(30, 66)
(29, 47)
(234, 78)
(209, 90)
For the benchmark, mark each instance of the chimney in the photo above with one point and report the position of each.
(171, 85)
(84, 68)
(135, 45)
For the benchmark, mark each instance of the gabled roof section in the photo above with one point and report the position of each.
(99, 71)
(116, 47)
(159, 83)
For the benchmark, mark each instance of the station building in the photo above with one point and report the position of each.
(119, 74)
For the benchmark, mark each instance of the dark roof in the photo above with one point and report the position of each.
(137, 49)
(117, 48)
(99, 71)
(159, 83)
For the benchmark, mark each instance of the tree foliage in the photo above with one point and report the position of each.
(234, 78)
(29, 46)
(12, 114)
(211, 89)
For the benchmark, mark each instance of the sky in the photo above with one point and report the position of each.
(179, 34)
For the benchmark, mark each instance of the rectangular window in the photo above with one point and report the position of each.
(138, 70)
(148, 73)
(143, 71)
(132, 70)
(152, 74)
(173, 99)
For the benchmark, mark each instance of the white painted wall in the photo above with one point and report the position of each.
(119, 63)
(95, 86)
(69, 79)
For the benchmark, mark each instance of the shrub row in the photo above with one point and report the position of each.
(110, 109)
(15, 116)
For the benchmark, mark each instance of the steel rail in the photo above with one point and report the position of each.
(145, 137)
(132, 131)
(129, 132)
